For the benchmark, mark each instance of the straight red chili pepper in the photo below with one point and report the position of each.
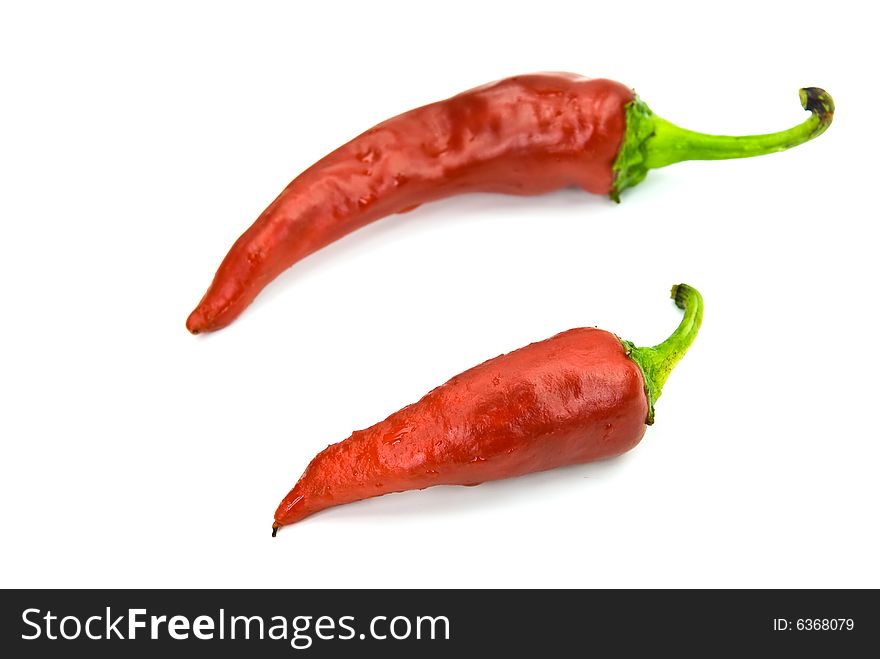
(524, 135)
(579, 396)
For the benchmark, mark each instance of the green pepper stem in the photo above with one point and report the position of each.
(651, 142)
(671, 144)
(657, 362)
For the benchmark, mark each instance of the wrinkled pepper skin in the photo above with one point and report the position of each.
(525, 135)
(570, 399)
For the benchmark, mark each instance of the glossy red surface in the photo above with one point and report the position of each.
(573, 398)
(524, 135)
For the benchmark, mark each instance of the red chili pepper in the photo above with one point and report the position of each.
(579, 396)
(524, 135)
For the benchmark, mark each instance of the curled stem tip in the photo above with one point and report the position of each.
(679, 294)
(658, 361)
(819, 102)
(275, 527)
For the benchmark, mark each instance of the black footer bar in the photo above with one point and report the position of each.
(317, 623)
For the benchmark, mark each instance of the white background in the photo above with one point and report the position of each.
(139, 141)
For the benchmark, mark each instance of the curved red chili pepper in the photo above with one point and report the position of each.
(579, 396)
(524, 135)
